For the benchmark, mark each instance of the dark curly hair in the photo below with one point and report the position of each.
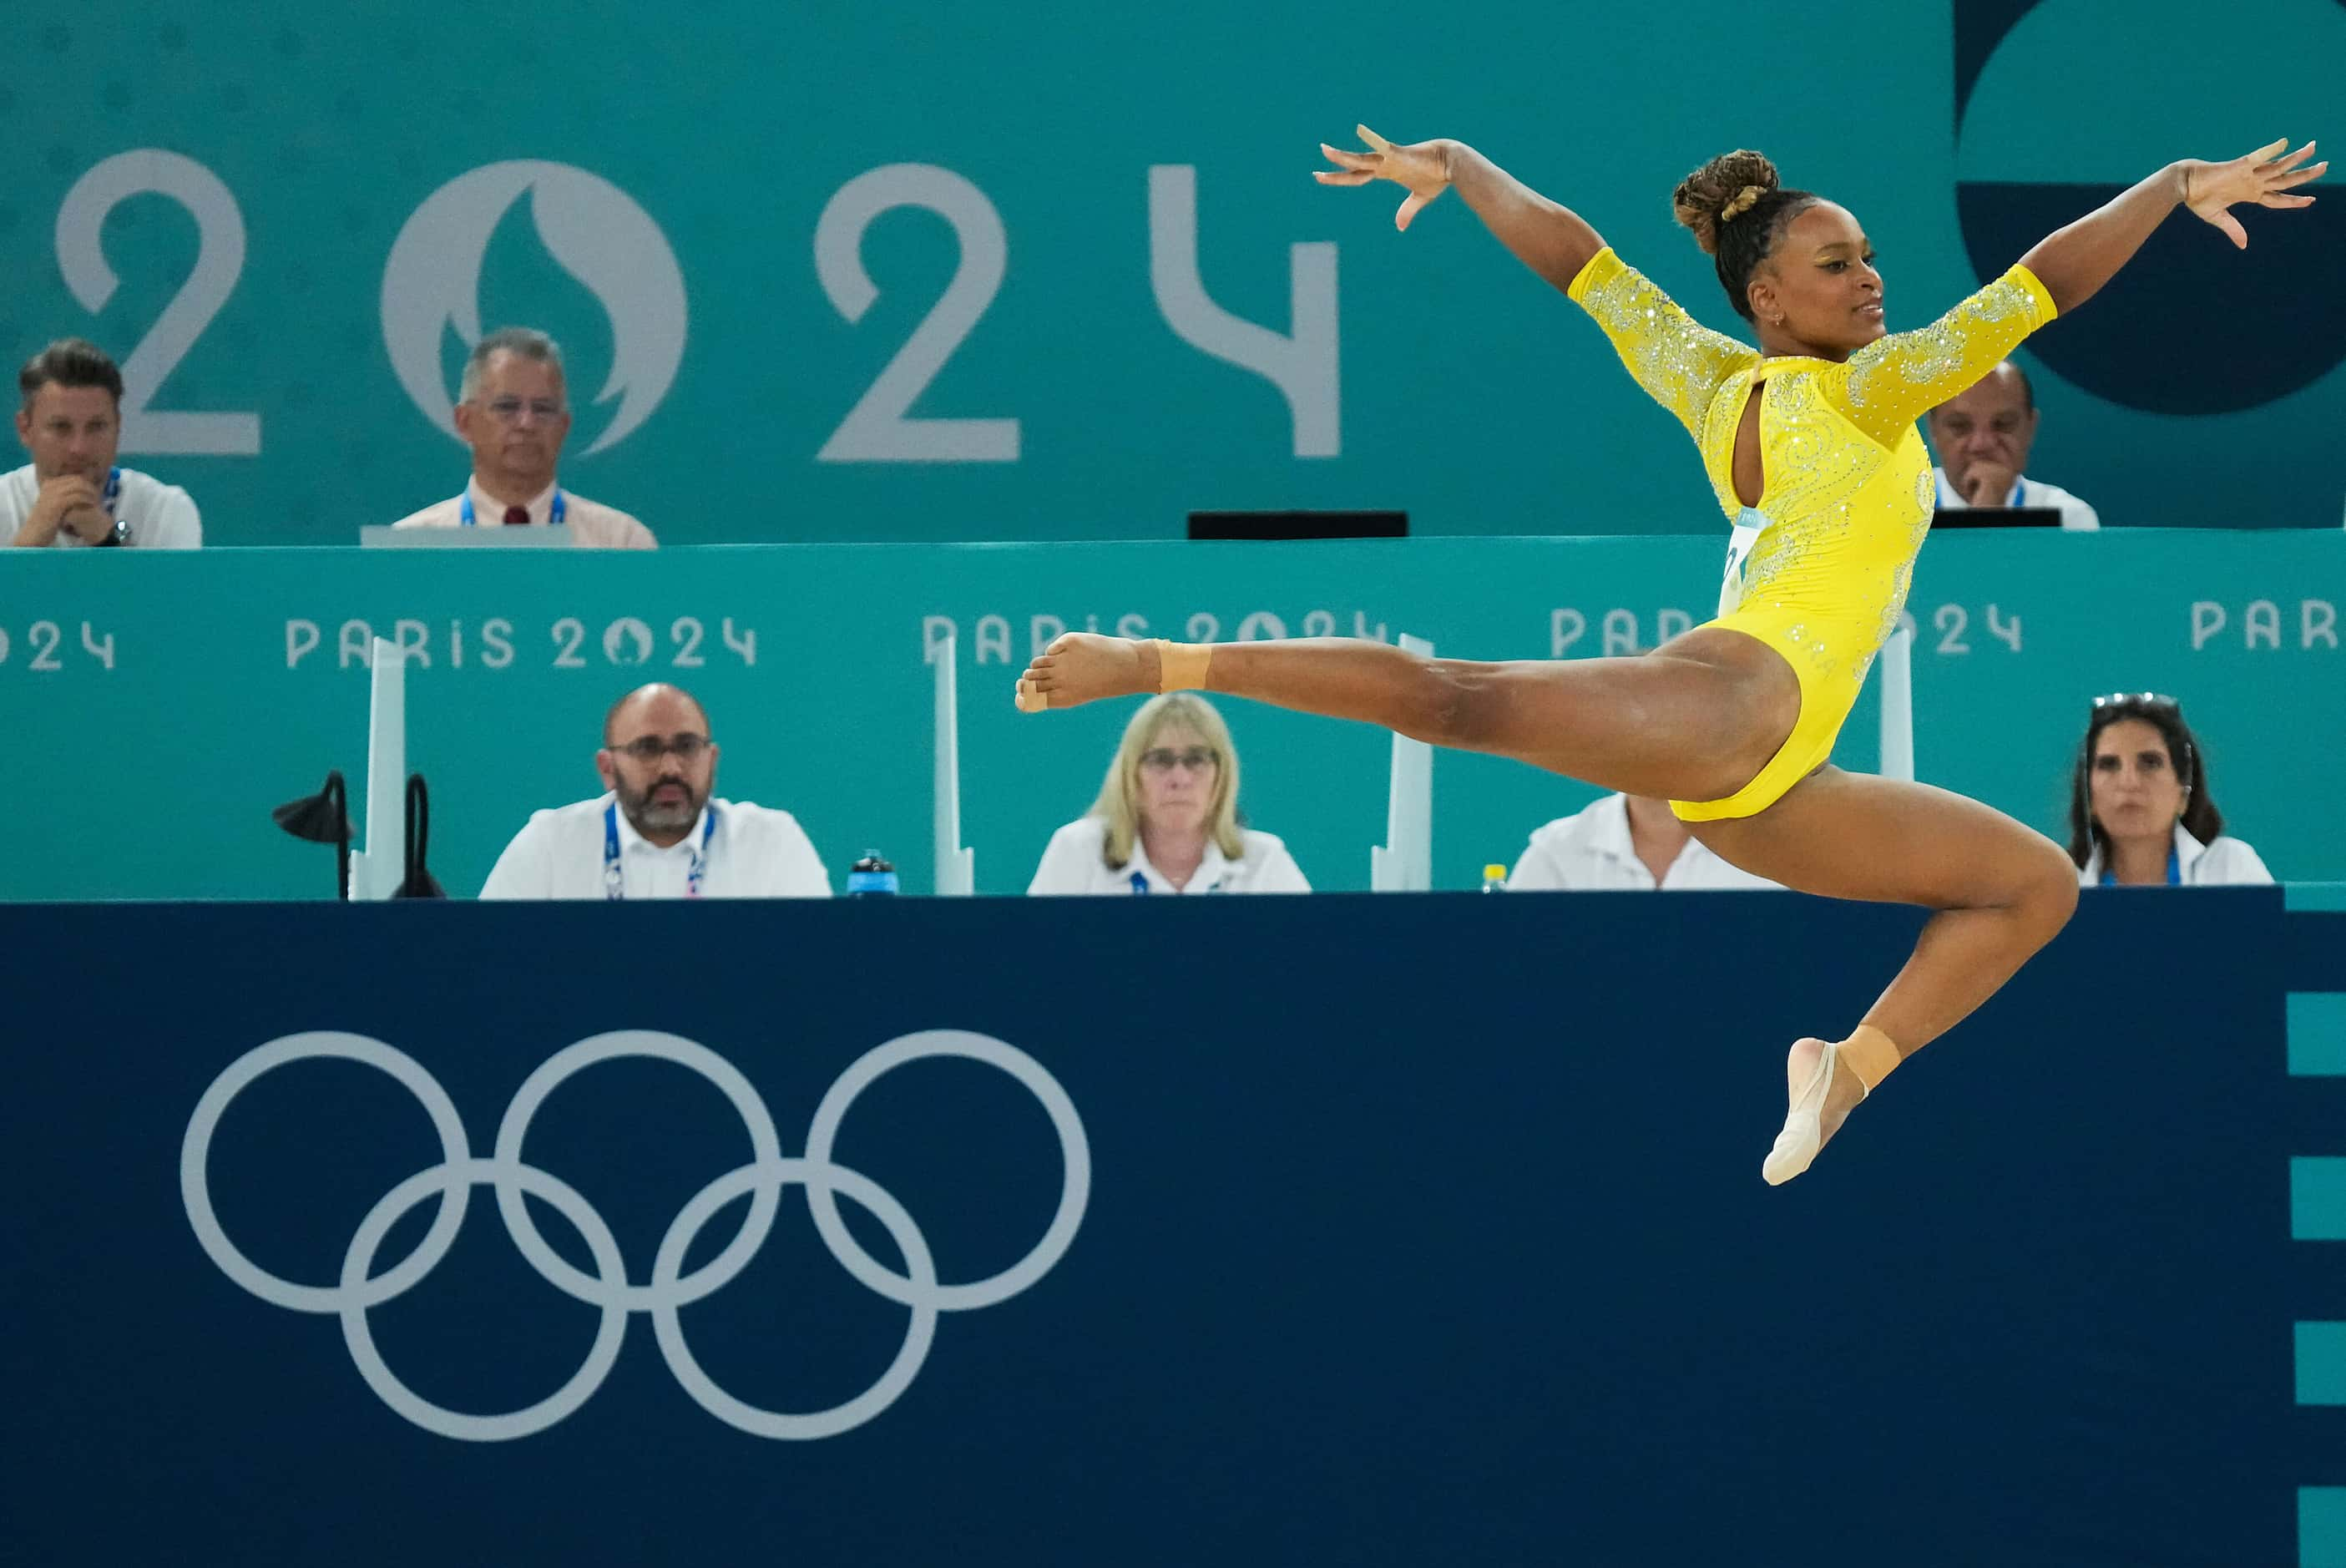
(1737, 207)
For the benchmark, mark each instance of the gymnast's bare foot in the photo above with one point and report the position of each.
(1082, 667)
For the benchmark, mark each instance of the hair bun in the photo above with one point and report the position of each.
(1720, 191)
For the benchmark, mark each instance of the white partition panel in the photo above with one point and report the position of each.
(1898, 702)
(956, 866)
(1404, 863)
(377, 868)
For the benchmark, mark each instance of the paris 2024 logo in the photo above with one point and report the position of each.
(591, 229)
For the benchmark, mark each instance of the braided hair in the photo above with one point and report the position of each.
(1737, 207)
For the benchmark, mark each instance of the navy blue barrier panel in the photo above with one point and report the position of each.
(1415, 1231)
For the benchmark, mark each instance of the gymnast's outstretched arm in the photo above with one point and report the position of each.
(2074, 262)
(1547, 236)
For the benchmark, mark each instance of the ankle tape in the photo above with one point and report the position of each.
(1870, 1054)
(1181, 666)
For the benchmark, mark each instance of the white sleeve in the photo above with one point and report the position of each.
(800, 871)
(1537, 872)
(177, 524)
(1279, 874)
(2231, 863)
(2079, 518)
(526, 871)
(1062, 870)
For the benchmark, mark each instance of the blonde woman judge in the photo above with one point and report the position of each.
(1167, 820)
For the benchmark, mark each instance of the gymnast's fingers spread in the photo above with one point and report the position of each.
(1373, 138)
(2267, 153)
(1340, 177)
(2286, 201)
(2297, 176)
(2232, 228)
(1409, 210)
(2294, 159)
(1342, 160)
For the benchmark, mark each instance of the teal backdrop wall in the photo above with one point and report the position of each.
(158, 705)
(887, 272)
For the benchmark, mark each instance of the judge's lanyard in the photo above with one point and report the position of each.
(614, 880)
(464, 518)
(113, 489)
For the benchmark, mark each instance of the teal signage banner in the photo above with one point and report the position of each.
(880, 272)
(157, 705)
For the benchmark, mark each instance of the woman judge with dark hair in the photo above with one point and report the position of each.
(2141, 812)
(1811, 449)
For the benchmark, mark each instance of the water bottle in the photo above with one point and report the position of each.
(871, 878)
(1495, 879)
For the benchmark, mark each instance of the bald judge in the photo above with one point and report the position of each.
(657, 830)
(1983, 437)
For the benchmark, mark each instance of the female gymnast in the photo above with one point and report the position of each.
(1810, 446)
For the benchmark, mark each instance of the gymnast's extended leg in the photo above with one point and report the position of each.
(1694, 720)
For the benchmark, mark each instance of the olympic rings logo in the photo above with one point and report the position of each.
(669, 1289)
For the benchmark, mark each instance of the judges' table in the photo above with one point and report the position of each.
(161, 704)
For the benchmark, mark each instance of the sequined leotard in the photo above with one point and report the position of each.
(1818, 570)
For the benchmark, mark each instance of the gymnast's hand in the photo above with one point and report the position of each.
(1421, 168)
(2262, 177)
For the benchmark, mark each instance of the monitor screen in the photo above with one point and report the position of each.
(1298, 524)
(1996, 517)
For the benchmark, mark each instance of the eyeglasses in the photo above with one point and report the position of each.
(506, 409)
(1161, 758)
(2136, 699)
(686, 749)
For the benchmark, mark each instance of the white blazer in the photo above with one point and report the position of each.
(1072, 864)
(2227, 862)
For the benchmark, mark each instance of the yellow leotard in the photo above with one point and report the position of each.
(1818, 570)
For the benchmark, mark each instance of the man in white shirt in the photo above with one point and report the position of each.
(658, 832)
(73, 494)
(514, 412)
(1623, 843)
(1982, 437)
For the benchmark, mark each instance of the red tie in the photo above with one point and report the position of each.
(516, 515)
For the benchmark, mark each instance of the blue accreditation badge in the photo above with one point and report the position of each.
(615, 876)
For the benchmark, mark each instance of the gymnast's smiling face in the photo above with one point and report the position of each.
(1820, 278)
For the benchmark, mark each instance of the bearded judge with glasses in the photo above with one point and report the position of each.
(512, 409)
(658, 832)
(1167, 820)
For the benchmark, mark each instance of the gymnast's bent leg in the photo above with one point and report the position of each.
(1696, 721)
(2002, 889)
